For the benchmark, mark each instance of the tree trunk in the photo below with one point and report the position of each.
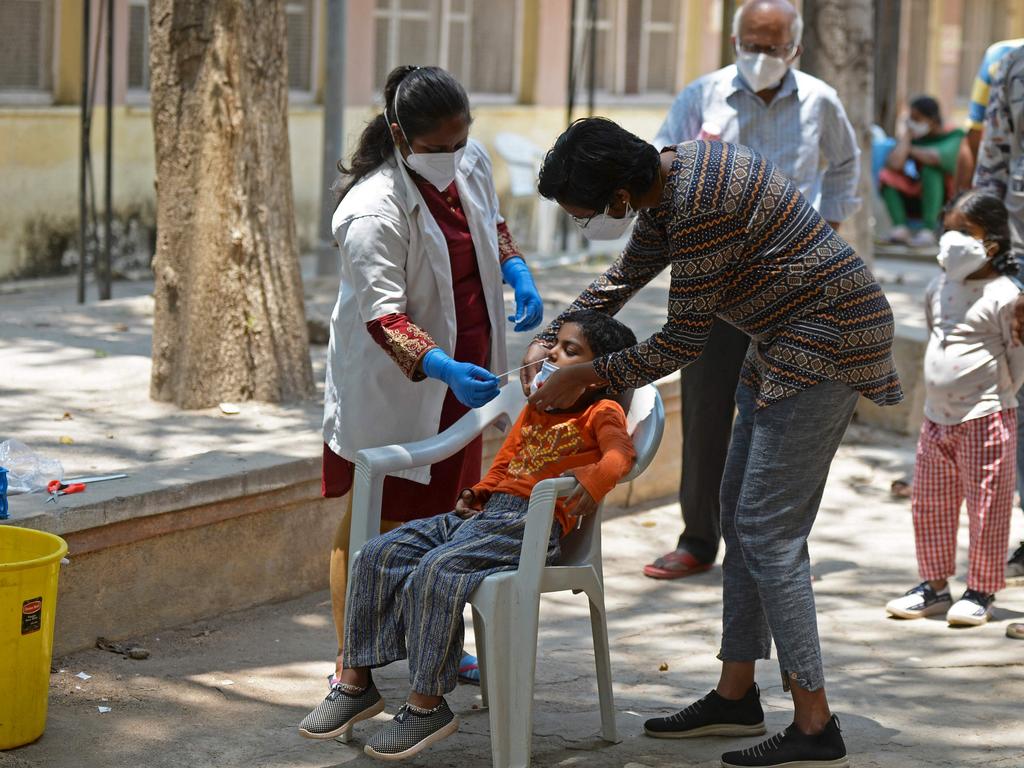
(230, 322)
(839, 48)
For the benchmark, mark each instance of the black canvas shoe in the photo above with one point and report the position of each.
(336, 714)
(793, 749)
(412, 731)
(712, 716)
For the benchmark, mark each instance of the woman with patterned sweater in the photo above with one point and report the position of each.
(743, 245)
(418, 327)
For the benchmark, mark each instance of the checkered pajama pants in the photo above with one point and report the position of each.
(973, 460)
(410, 586)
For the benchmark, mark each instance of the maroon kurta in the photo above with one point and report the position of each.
(406, 344)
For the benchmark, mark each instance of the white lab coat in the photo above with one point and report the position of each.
(394, 259)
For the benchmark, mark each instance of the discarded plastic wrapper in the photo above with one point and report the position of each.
(27, 471)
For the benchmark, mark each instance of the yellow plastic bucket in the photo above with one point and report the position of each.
(29, 565)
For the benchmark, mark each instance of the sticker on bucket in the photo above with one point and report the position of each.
(32, 615)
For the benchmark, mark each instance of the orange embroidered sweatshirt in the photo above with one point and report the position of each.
(593, 442)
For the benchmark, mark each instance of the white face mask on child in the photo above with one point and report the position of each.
(961, 255)
(543, 375)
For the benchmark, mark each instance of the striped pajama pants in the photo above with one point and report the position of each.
(410, 586)
(973, 460)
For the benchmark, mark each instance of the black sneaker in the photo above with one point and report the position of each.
(793, 749)
(412, 731)
(1015, 565)
(712, 716)
(336, 714)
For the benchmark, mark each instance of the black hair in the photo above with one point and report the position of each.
(603, 332)
(927, 106)
(593, 158)
(427, 96)
(989, 213)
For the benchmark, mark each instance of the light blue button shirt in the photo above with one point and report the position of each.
(804, 132)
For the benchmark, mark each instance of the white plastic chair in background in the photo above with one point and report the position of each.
(506, 606)
(523, 158)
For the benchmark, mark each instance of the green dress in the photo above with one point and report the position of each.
(933, 180)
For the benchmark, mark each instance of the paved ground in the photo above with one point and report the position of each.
(229, 692)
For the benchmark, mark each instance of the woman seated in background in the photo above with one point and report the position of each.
(918, 172)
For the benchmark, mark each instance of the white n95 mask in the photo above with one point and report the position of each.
(542, 375)
(604, 226)
(960, 255)
(760, 70)
(436, 167)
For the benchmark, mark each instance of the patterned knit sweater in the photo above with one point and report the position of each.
(744, 245)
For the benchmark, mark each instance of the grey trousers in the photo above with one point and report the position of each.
(774, 479)
(708, 387)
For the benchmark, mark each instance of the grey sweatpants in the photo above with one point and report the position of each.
(774, 479)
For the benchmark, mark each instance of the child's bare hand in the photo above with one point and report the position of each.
(466, 505)
(580, 503)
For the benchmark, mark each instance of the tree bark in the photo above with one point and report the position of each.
(839, 49)
(229, 321)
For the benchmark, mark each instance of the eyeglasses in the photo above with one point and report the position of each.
(582, 221)
(778, 51)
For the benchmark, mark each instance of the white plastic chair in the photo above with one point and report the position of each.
(523, 158)
(506, 605)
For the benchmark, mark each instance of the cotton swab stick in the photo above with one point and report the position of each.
(514, 370)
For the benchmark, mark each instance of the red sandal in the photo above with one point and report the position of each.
(676, 564)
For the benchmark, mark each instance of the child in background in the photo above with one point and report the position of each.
(967, 446)
(410, 585)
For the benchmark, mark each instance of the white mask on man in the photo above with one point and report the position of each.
(961, 255)
(760, 70)
(604, 226)
(436, 167)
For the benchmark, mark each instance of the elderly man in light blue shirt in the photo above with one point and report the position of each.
(796, 121)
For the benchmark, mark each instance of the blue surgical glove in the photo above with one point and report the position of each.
(473, 386)
(529, 307)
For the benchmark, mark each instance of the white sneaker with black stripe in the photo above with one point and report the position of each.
(919, 602)
(971, 610)
(411, 731)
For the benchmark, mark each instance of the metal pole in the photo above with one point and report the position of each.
(570, 104)
(83, 150)
(108, 160)
(571, 100)
(592, 56)
(334, 134)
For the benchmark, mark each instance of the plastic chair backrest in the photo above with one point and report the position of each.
(648, 413)
(523, 159)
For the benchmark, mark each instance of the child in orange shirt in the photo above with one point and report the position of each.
(410, 585)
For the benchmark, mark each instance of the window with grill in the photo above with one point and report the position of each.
(138, 45)
(475, 40)
(983, 23)
(636, 46)
(299, 17)
(26, 56)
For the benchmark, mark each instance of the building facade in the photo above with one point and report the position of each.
(512, 55)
